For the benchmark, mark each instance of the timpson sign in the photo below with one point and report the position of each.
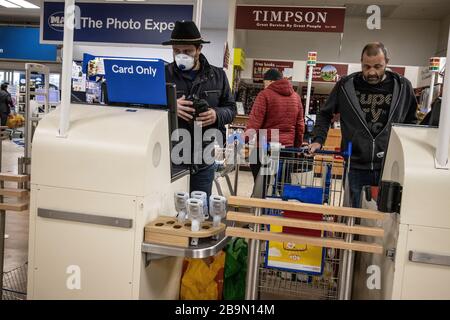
(309, 19)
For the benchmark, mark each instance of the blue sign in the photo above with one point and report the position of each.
(136, 81)
(145, 24)
(22, 43)
(38, 79)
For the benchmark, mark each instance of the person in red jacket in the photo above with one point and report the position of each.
(277, 107)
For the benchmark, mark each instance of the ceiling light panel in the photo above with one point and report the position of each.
(24, 4)
(7, 4)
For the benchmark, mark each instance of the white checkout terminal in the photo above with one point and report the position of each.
(92, 193)
(416, 264)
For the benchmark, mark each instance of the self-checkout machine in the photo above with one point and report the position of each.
(100, 174)
(414, 194)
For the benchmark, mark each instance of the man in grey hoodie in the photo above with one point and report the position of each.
(368, 103)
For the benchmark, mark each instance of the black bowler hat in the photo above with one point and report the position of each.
(273, 75)
(185, 32)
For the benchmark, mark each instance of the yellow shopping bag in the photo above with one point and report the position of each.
(203, 278)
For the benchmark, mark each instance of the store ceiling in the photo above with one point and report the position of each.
(215, 12)
(20, 16)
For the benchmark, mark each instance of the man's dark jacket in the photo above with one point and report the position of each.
(210, 84)
(367, 151)
(5, 102)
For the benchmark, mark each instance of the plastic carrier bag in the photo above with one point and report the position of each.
(235, 269)
(15, 121)
(202, 279)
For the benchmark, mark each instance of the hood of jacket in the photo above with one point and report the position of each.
(283, 87)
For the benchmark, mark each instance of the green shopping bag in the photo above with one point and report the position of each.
(235, 269)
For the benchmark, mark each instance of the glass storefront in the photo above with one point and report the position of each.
(13, 77)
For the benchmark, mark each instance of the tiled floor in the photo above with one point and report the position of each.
(245, 184)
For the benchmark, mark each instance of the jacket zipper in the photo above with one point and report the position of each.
(395, 108)
(354, 109)
(203, 79)
(389, 120)
(365, 125)
(373, 153)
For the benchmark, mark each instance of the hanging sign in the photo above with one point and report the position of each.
(312, 19)
(435, 64)
(22, 43)
(399, 70)
(312, 58)
(124, 23)
(260, 67)
(329, 72)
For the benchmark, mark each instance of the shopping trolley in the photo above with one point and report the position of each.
(15, 283)
(318, 180)
(228, 161)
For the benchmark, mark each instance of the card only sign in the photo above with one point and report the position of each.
(135, 81)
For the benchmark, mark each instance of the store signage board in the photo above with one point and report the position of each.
(329, 72)
(399, 70)
(22, 43)
(261, 66)
(425, 74)
(136, 81)
(129, 80)
(312, 58)
(435, 64)
(115, 23)
(279, 18)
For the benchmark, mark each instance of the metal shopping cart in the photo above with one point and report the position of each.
(318, 180)
(15, 283)
(228, 161)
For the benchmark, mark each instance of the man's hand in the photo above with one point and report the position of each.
(313, 147)
(184, 109)
(207, 118)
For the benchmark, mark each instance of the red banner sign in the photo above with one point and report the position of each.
(329, 72)
(312, 19)
(399, 70)
(261, 66)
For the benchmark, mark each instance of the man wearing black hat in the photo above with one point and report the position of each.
(204, 96)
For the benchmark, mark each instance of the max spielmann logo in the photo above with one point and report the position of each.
(56, 21)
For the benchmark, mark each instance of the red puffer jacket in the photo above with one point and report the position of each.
(279, 107)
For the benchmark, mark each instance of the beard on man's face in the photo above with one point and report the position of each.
(374, 78)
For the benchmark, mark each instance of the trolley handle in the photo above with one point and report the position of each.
(304, 150)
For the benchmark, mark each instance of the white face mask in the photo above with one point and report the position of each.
(184, 61)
